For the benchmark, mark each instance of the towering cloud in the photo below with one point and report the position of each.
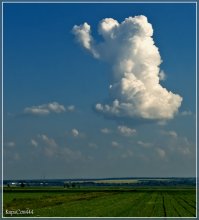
(135, 87)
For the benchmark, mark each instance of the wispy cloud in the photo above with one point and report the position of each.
(162, 122)
(144, 144)
(105, 130)
(16, 156)
(71, 108)
(115, 144)
(182, 146)
(161, 153)
(186, 113)
(51, 149)
(128, 153)
(135, 89)
(33, 143)
(46, 109)
(10, 144)
(170, 133)
(173, 134)
(176, 144)
(93, 145)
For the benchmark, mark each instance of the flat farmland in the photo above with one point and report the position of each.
(157, 202)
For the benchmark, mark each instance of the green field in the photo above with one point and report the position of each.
(106, 202)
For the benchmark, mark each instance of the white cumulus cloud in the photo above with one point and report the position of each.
(45, 109)
(74, 132)
(135, 88)
(126, 131)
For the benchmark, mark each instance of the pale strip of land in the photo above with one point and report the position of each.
(117, 181)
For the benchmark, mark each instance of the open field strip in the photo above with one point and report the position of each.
(151, 202)
(185, 204)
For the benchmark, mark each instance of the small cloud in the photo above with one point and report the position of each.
(70, 154)
(35, 110)
(9, 114)
(33, 143)
(105, 131)
(161, 153)
(144, 144)
(127, 154)
(16, 156)
(185, 151)
(125, 131)
(56, 107)
(99, 107)
(82, 34)
(10, 144)
(162, 122)
(74, 132)
(176, 144)
(51, 147)
(45, 109)
(184, 146)
(93, 145)
(115, 144)
(49, 141)
(71, 108)
(171, 133)
(186, 113)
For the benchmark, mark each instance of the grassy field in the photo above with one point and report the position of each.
(142, 202)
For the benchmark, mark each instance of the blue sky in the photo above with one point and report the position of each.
(43, 63)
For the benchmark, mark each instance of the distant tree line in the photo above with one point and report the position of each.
(71, 185)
